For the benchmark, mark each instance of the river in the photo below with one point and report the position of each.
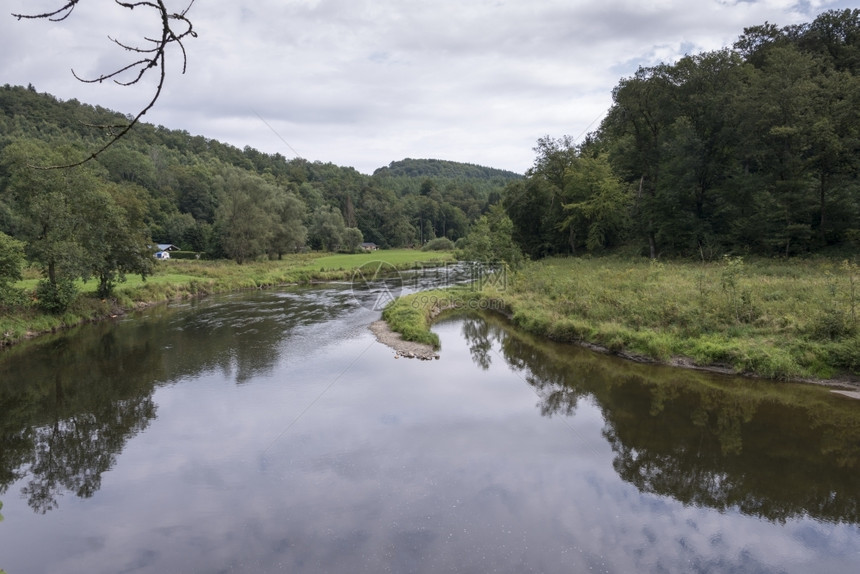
(269, 432)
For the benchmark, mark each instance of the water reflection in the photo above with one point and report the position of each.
(771, 451)
(68, 412)
(71, 402)
(286, 439)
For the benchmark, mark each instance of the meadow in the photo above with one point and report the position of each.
(780, 319)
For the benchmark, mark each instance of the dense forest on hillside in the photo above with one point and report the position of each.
(749, 149)
(189, 181)
(157, 185)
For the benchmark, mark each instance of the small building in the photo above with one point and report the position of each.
(369, 246)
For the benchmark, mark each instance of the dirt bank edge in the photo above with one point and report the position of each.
(402, 348)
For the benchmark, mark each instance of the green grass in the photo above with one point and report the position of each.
(779, 319)
(396, 257)
(177, 279)
(773, 318)
(412, 315)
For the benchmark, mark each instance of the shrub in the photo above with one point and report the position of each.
(438, 244)
(55, 297)
(846, 354)
(832, 324)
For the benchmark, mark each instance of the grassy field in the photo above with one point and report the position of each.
(176, 279)
(778, 319)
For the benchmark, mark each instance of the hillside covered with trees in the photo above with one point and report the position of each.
(749, 149)
(157, 185)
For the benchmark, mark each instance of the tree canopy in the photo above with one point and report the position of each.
(750, 149)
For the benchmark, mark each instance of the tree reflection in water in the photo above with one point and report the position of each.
(769, 449)
(64, 427)
(72, 402)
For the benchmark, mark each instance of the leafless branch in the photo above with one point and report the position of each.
(175, 27)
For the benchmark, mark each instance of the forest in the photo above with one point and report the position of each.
(157, 185)
(752, 149)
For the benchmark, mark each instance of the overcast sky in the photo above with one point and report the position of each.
(362, 83)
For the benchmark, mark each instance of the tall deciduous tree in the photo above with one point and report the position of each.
(600, 206)
(535, 205)
(352, 239)
(290, 232)
(74, 224)
(326, 228)
(245, 216)
(644, 109)
(117, 239)
(49, 204)
(490, 240)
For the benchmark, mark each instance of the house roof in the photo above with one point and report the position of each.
(167, 247)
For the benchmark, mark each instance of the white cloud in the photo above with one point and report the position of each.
(363, 83)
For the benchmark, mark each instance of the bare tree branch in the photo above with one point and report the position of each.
(175, 27)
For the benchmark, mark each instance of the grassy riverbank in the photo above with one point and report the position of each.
(790, 319)
(177, 279)
(412, 315)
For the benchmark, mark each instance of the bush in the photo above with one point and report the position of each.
(832, 324)
(55, 297)
(438, 244)
(846, 355)
(12, 297)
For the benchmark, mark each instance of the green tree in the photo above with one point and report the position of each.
(75, 225)
(196, 191)
(174, 228)
(352, 239)
(780, 118)
(643, 110)
(118, 240)
(125, 164)
(326, 229)
(490, 240)
(834, 35)
(198, 238)
(52, 217)
(535, 205)
(245, 217)
(601, 203)
(290, 232)
(700, 153)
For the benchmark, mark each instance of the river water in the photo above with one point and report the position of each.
(269, 432)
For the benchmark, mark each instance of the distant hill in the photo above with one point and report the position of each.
(421, 176)
(187, 183)
(442, 169)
